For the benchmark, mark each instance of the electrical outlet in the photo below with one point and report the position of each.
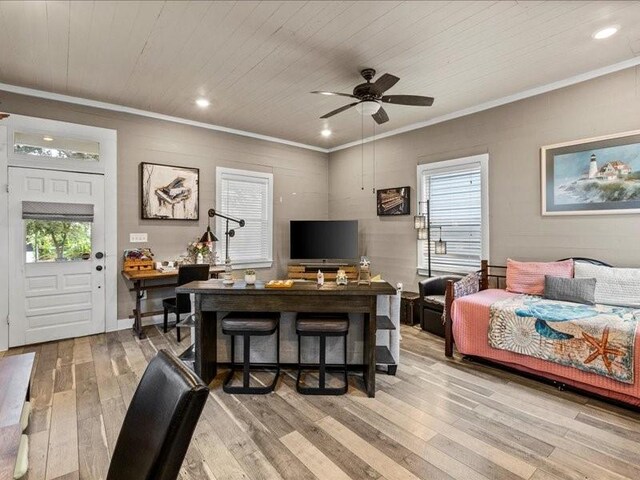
(137, 237)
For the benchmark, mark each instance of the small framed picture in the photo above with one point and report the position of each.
(169, 192)
(393, 201)
(592, 176)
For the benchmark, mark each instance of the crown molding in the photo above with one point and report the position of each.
(31, 92)
(583, 77)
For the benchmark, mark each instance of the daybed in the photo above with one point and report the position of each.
(467, 320)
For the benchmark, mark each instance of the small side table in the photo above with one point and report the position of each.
(410, 308)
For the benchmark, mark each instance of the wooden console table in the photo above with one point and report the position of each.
(140, 279)
(15, 377)
(212, 297)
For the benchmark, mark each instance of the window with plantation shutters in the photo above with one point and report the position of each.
(246, 195)
(458, 203)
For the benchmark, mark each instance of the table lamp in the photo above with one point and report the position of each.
(209, 237)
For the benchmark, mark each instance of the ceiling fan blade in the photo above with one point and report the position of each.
(334, 93)
(380, 116)
(341, 109)
(385, 82)
(415, 100)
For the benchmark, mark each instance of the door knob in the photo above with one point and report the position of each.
(99, 255)
(99, 268)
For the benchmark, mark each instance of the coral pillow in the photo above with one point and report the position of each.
(528, 277)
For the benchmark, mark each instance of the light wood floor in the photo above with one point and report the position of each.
(436, 419)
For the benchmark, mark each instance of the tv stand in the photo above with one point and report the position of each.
(323, 264)
(309, 271)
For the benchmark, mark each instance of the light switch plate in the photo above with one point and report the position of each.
(137, 237)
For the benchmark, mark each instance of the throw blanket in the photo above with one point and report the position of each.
(599, 339)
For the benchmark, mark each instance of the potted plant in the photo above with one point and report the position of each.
(250, 277)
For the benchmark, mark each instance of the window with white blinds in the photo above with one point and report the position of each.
(246, 195)
(456, 190)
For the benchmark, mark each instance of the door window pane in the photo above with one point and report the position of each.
(55, 147)
(57, 241)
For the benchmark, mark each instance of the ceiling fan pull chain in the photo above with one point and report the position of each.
(373, 186)
(362, 155)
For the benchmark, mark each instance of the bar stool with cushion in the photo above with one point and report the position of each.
(322, 325)
(181, 303)
(247, 325)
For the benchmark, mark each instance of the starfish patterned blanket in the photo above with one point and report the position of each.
(599, 339)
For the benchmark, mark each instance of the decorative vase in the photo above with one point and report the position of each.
(250, 279)
(227, 276)
(199, 259)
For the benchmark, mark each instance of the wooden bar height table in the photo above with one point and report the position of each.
(139, 278)
(213, 296)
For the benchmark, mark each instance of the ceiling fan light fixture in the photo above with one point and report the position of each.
(367, 107)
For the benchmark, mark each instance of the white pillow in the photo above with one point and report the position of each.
(614, 286)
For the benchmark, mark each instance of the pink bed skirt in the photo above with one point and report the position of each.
(470, 316)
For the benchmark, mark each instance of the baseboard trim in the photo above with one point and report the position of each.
(126, 323)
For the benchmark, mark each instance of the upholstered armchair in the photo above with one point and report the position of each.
(432, 292)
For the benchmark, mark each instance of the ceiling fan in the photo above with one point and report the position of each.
(370, 97)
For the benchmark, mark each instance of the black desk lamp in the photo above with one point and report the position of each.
(209, 237)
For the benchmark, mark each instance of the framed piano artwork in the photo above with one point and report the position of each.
(393, 201)
(169, 192)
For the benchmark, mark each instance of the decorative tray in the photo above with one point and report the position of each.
(279, 284)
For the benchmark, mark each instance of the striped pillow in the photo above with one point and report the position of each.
(528, 277)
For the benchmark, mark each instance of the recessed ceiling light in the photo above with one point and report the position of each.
(606, 32)
(203, 102)
(47, 139)
(326, 132)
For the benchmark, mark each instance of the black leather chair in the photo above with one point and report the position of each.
(159, 423)
(181, 303)
(432, 292)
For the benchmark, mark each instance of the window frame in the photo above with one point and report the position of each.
(221, 172)
(453, 165)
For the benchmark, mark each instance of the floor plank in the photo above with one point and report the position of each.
(62, 457)
(314, 459)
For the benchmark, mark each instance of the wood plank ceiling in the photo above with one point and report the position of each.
(257, 61)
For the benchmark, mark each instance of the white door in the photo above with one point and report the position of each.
(56, 255)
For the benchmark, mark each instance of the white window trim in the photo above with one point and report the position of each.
(449, 165)
(220, 171)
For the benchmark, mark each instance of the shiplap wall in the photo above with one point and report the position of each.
(512, 135)
(300, 178)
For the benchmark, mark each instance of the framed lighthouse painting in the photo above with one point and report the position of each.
(592, 176)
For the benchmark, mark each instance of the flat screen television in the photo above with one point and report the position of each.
(324, 239)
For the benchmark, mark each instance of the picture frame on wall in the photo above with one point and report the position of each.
(169, 192)
(594, 176)
(393, 201)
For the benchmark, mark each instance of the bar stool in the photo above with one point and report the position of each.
(322, 325)
(250, 324)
